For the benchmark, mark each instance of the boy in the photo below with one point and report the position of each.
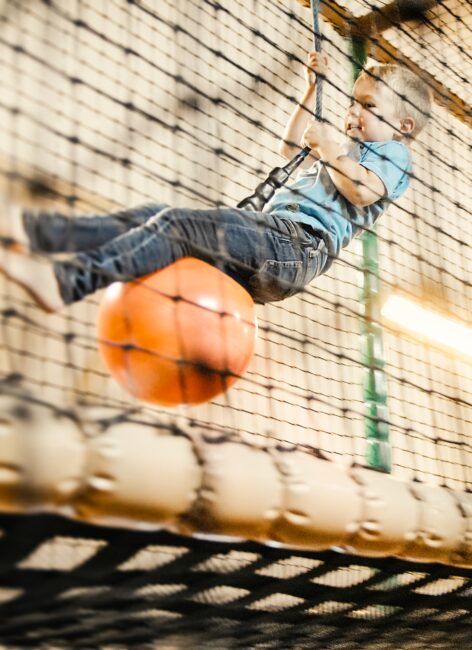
(273, 254)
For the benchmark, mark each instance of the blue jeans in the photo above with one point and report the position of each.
(271, 257)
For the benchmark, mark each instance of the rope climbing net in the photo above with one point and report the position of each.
(100, 112)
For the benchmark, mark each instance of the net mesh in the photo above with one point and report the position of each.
(66, 582)
(117, 105)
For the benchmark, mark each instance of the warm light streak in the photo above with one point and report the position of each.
(428, 324)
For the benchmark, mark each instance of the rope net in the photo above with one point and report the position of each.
(107, 105)
(112, 107)
(176, 591)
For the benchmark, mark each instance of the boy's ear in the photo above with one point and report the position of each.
(407, 125)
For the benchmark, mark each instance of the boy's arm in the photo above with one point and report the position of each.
(303, 112)
(356, 183)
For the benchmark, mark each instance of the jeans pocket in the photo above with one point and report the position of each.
(276, 280)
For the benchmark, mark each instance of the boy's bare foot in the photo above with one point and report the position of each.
(35, 276)
(12, 231)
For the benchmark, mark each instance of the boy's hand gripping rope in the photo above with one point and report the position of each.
(280, 175)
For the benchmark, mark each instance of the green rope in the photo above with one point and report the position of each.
(378, 451)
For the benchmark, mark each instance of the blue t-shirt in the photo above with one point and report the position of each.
(313, 198)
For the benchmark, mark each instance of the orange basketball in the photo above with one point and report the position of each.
(181, 335)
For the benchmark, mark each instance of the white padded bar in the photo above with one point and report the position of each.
(137, 475)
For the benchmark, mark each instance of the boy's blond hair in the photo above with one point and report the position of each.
(411, 96)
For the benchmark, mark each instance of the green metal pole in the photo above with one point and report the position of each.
(378, 451)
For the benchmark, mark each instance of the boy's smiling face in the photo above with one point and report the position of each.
(371, 116)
